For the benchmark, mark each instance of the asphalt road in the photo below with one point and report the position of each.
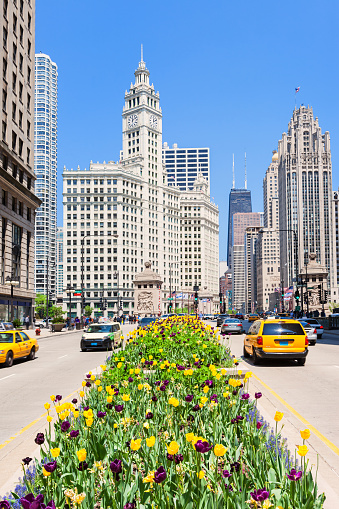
(312, 389)
(59, 368)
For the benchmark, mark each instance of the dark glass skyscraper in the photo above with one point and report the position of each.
(239, 201)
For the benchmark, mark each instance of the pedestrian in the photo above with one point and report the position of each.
(27, 322)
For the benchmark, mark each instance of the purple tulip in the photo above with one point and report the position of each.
(58, 397)
(109, 406)
(180, 368)
(170, 457)
(214, 398)
(26, 461)
(88, 376)
(257, 395)
(51, 466)
(65, 425)
(74, 401)
(235, 467)
(229, 487)
(178, 458)
(74, 433)
(130, 505)
(245, 396)
(259, 424)
(294, 475)
(260, 495)
(160, 475)
(157, 383)
(154, 398)
(101, 414)
(149, 415)
(234, 421)
(119, 408)
(202, 446)
(83, 465)
(196, 408)
(226, 474)
(166, 382)
(116, 392)
(86, 408)
(88, 384)
(189, 398)
(39, 439)
(30, 502)
(163, 388)
(130, 379)
(116, 466)
(4, 504)
(239, 418)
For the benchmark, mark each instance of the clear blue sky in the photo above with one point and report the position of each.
(226, 72)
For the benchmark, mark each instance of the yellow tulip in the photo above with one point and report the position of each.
(150, 441)
(305, 434)
(122, 358)
(79, 498)
(173, 447)
(89, 422)
(45, 473)
(82, 454)
(55, 452)
(83, 383)
(302, 450)
(135, 444)
(219, 450)
(92, 378)
(100, 388)
(150, 357)
(115, 425)
(109, 399)
(47, 406)
(173, 401)
(103, 367)
(119, 365)
(146, 425)
(49, 418)
(203, 399)
(82, 394)
(226, 394)
(76, 413)
(125, 397)
(189, 437)
(97, 382)
(278, 416)
(137, 371)
(201, 474)
(142, 360)
(52, 398)
(206, 389)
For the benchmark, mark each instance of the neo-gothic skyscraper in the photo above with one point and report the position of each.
(45, 165)
(305, 193)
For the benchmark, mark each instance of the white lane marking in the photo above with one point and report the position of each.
(13, 374)
(62, 356)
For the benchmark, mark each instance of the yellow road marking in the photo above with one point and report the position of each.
(33, 422)
(314, 430)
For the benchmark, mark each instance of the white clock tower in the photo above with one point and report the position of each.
(142, 126)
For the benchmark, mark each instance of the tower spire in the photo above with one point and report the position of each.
(245, 173)
(233, 185)
(142, 53)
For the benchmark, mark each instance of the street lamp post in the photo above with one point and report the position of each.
(69, 291)
(116, 276)
(12, 281)
(170, 282)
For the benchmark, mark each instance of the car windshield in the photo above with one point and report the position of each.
(312, 321)
(305, 325)
(282, 329)
(100, 328)
(5, 337)
(231, 320)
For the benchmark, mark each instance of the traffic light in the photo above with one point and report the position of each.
(325, 296)
(101, 302)
(319, 293)
(282, 292)
(105, 303)
(196, 297)
(220, 298)
(297, 296)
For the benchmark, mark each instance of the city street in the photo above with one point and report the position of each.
(60, 366)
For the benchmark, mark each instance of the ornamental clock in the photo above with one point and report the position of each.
(132, 120)
(153, 121)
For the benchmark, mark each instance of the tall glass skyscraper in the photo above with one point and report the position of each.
(183, 165)
(239, 201)
(45, 166)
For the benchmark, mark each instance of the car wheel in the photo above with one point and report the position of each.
(31, 356)
(319, 336)
(83, 349)
(246, 354)
(9, 360)
(110, 347)
(301, 362)
(313, 343)
(255, 358)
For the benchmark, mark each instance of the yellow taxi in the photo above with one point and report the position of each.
(16, 344)
(276, 339)
(252, 317)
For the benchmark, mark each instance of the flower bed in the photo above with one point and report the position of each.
(165, 427)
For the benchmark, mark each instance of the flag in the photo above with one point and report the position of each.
(297, 89)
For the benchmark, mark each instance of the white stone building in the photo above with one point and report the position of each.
(123, 214)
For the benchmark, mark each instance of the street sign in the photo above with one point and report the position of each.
(77, 294)
(169, 298)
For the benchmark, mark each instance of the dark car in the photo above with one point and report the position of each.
(147, 320)
(220, 319)
(239, 316)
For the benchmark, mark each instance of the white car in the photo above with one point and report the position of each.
(101, 335)
(311, 332)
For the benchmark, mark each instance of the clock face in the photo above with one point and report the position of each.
(153, 121)
(132, 120)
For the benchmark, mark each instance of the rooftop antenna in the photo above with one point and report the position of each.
(245, 173)
(142, 53)
(233, 186)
